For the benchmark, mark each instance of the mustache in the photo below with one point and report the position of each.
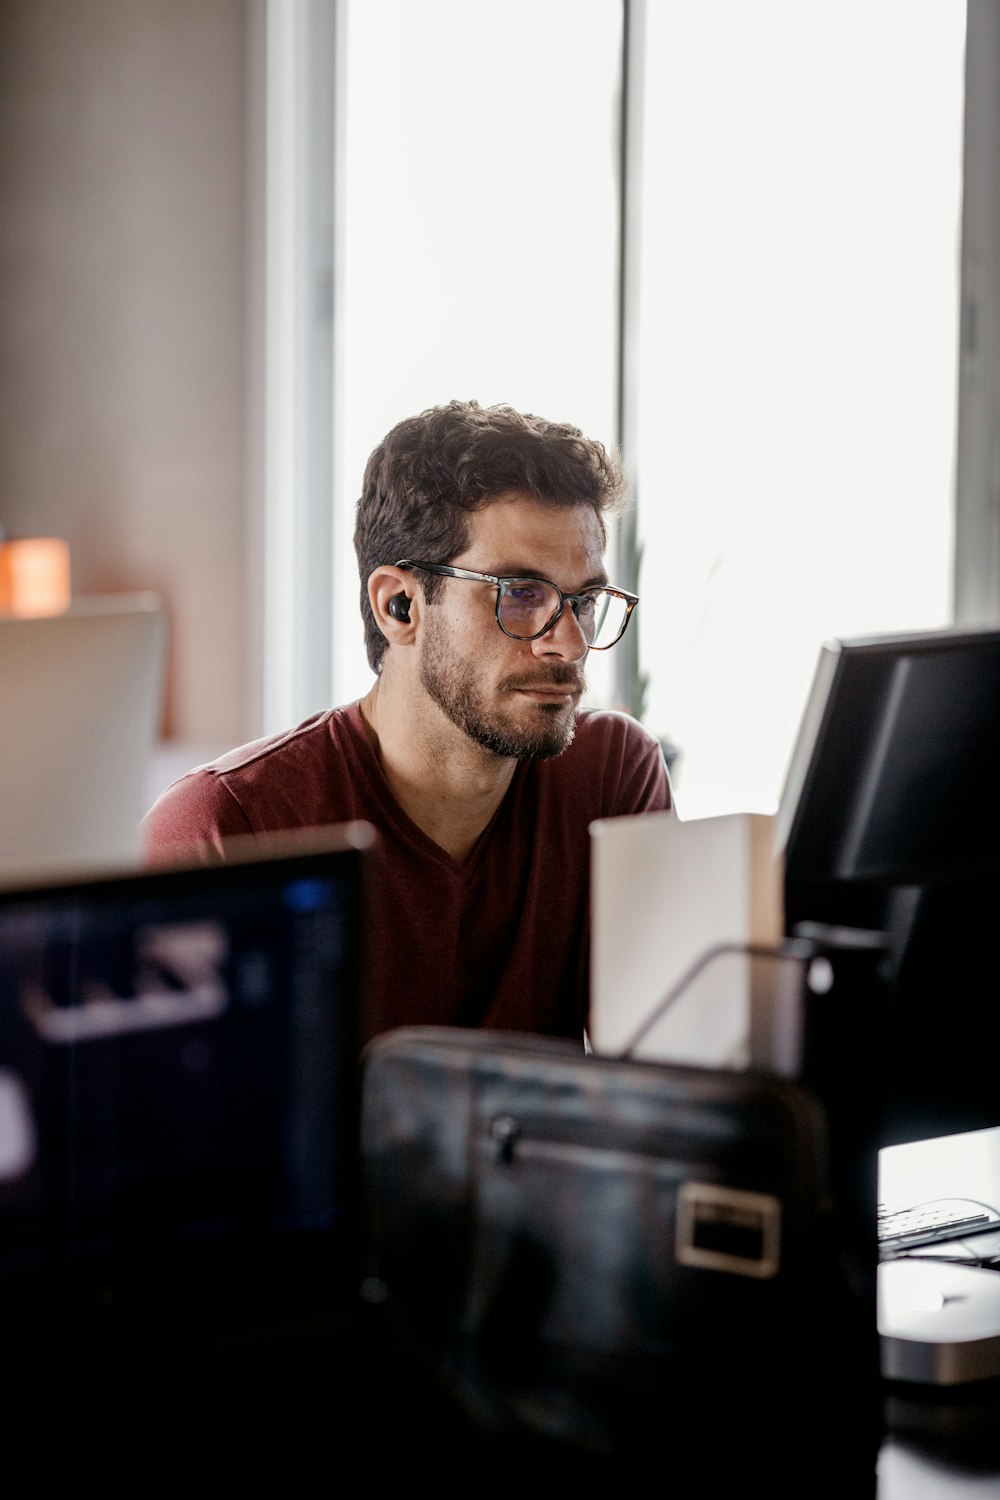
(558, 677)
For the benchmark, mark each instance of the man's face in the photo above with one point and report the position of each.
(514, 698)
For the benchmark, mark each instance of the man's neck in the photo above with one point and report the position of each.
(445, 783)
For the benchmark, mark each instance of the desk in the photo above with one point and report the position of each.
(904, 1473)
(335, 1401)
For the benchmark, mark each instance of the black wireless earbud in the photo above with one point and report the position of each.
(399, 608)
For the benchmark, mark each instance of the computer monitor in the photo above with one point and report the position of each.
(81, 694)
(178, 1121)
(889, 822)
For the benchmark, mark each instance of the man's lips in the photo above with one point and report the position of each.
(570, 687)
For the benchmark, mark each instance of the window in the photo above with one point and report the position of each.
(478, 229)
(798, 299)
(473, 255)
(788, 402)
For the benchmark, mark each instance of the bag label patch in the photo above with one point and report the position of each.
(728, 1229)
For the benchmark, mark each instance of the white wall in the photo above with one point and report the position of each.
(122, 311)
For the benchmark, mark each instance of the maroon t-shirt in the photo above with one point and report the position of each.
(499, 940)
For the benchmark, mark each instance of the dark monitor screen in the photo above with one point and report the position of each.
(890, 821)
(178, 1110)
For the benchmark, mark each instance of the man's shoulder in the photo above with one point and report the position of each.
(314, 736)
(280, 781)
(611, 726)
(614, 765)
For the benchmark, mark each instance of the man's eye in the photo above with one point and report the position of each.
(527, 595)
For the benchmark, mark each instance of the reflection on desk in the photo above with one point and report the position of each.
(904, 1473)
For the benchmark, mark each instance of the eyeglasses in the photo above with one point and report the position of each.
(528, 607)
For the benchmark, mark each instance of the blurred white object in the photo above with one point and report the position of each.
(665, 891)
(18, 1142)
(80, 701)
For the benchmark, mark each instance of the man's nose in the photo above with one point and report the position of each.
(565, 638)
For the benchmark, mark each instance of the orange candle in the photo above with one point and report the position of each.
(34, 576)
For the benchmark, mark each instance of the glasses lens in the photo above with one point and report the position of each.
(526, 606)
(610, 612)
(529, 605)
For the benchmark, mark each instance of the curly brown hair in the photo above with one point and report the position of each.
(432, 471)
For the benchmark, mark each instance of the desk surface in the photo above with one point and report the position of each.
(906, 1473)
(339, 1399)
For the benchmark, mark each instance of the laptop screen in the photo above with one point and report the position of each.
(178, 1109)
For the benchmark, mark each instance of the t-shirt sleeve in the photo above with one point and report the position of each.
(635, 774)
(191, 820)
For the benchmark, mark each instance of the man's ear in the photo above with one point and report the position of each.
(395, 604)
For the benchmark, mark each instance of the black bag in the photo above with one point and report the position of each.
(618, 1258)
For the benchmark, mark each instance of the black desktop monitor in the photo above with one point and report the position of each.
(179, 1056)
(889, 823)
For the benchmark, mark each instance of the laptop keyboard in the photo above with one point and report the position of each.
(903, 1229)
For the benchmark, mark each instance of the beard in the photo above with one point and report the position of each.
(453, 685)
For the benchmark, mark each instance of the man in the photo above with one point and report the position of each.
(479, 535)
